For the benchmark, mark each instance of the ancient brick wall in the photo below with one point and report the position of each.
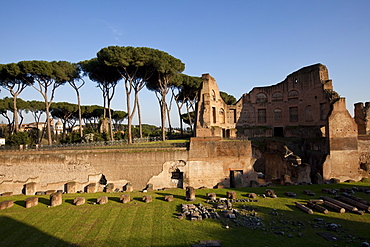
(303, 99)
(214, 117)
(343, 159)
(300, 100)
(362, 118)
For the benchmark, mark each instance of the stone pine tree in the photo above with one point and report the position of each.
(107, 79)
(187, 88)
(77, 84)
(45, 77)
(228, 98)
(5, 106)
(91, 115)
(63, 111)
(135, 65)
(12, 81)
(37, 109)
(118, 118)
(166, 66)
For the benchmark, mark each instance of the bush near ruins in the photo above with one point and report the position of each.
(19, 138)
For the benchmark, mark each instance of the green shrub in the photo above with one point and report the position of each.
(18, 138)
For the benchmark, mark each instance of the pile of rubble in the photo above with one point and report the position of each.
(196, 212)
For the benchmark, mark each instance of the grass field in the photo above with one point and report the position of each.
(156, 224)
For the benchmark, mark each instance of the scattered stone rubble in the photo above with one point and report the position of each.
(196, 212)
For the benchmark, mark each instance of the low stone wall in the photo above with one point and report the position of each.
(207, 163)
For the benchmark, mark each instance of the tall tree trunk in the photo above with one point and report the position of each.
(15, 114)
(163, 116)
(48, 128)
(168, 110)
(110, 121)
(181, 126)
(129, 119)
(79, 113)
(139, 114)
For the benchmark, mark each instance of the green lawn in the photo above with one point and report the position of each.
(156, 224)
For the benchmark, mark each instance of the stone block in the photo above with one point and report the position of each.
(56, 199)
(290, 194)
(252, 195)
(285, 180)
(30, 188)
(190, 194)
(7, 194)
(271, 193)
(71, 187)
(128, 187)
(231, 195)
(169, 198)
(211, 196)
(109, 188)
(254, 183)
(304, 173)
(102, 200)
(213, 243)
(318, 179)
(147, 199)
(91, 188)
(31, 202)
(6, 204)
(309, 193)
(79, 201)
(124, 198)
(48, 192)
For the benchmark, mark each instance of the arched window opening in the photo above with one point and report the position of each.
(222, 115)
(261, 98)
(277, 96)
(293, 94)
(213, 95)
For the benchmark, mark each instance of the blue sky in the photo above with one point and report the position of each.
(242, 44)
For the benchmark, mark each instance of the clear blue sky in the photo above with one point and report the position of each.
(242, 44)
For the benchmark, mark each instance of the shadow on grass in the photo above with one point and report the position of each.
(20, 203)
(70, 201)
(31, 236)
(91, 200)
(114, 199)
(44, 201)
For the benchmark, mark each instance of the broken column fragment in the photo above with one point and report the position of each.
(190, 194)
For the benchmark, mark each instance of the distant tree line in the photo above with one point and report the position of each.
(135, 67)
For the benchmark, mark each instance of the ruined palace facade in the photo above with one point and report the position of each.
(302, 99)
(303, 106)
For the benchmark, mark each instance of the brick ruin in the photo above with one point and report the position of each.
(299, 131)
(302, 113)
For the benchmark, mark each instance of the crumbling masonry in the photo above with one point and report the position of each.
(304, 113)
